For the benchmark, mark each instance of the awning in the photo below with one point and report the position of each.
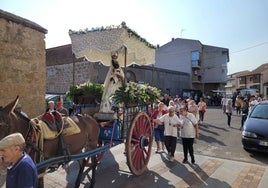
(96, 45)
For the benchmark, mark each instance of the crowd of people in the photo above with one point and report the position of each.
(239, 105)
(173, 115)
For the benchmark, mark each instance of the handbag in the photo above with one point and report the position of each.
(161, 127)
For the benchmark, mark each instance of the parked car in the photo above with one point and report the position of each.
(255, 129)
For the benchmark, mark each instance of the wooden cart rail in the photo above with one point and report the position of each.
(64, 159)
(128, 116)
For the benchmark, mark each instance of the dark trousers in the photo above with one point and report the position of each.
(201, 115)
(243, 119)
(187, 144)
(170, 143)
(229, 115)
(238, 110)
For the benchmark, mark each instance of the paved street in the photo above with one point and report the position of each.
(209, 172)
(218, 140)
(221, 162)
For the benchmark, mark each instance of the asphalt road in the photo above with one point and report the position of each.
(218, 140)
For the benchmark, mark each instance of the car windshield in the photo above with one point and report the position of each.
(260, 111)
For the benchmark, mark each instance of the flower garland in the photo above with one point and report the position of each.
(136, 94)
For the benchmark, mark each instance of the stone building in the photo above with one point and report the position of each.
(22, 63)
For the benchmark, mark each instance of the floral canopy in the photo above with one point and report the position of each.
(96, 45)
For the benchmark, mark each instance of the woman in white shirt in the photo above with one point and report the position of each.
(171, 121)
(189, 130)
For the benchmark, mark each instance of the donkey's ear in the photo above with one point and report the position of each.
(11, 106)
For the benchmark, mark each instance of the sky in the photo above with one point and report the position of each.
(239, 25)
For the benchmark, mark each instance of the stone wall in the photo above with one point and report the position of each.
(60, 77)
(22, 63)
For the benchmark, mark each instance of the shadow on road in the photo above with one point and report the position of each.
(206, 126)
(191, 178)
(113, 172)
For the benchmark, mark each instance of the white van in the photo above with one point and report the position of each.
(248, 92)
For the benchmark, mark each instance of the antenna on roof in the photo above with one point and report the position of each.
(182, 31)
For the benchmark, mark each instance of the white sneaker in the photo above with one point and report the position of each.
(158, 151)
(171, 159)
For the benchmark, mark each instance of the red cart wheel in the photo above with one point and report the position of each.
(139, 143)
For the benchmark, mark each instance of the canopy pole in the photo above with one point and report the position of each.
(73, 73)
(125, 64)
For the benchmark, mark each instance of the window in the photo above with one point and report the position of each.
(194, 63)
(224, 60)
(195, 56)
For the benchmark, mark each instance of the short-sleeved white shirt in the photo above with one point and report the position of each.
(168, 123)
(187, 126)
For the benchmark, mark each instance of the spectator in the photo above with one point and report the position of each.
(202, 107)
(178, 104)
(252, 102)
(223, 103)
(166, 99)
(229, 111)
(51, 106)
(61, 109)
(238, 102)
(21, 170)
(193, 108)
(171, 103)
(159, 128)
(244, 110)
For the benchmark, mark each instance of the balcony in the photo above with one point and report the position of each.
(196, 64)
(196, 79)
